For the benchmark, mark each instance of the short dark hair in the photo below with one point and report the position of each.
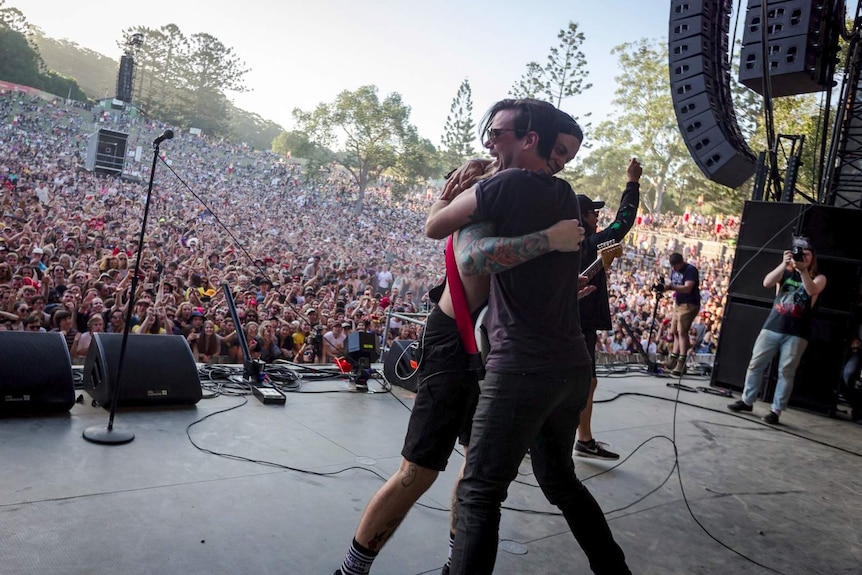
(568, 125)
(531, 115)
(675, 259)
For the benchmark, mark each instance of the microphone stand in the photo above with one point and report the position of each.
(111, 435)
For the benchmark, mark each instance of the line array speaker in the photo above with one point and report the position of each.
(802, 40)
(700, 88)
(125, 78)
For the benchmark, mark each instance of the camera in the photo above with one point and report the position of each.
(659, 287)
(798, 247)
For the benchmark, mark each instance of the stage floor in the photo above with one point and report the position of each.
(782, 496)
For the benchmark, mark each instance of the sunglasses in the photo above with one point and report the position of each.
(33, 328)
(494, 134)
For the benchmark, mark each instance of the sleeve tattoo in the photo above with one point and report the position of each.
(479, 252)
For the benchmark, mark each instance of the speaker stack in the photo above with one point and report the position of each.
(106, 152)
(700, 88)
(125, 78)
(802, 40)
(158, 370)
(766, 230)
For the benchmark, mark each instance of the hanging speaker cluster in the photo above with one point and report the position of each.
(700, 88)
(802, 41)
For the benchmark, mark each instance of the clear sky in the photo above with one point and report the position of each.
(302, 53)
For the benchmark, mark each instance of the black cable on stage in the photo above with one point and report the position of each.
(259, 461)
(778, 429)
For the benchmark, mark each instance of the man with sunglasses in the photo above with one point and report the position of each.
(538, 368)
(448, 389)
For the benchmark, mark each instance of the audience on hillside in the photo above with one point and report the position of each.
(300, 262)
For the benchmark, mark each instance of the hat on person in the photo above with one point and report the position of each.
(38, 250)
(346, 324)
(196, 312)
(588, 205)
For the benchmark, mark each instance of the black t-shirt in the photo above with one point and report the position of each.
(792, 310)
(533, 309)
(678, 278)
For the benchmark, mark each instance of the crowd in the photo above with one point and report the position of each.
(305, 269)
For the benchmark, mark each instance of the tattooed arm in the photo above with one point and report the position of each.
(447, 217)
(479, 252)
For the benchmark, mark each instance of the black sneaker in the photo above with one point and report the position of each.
(771, 417)
(739, 406)
(595, 450)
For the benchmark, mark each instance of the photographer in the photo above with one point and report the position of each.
(797, 286)
(685, 283)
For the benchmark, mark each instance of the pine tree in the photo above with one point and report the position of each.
(460, 130)
(562, 76)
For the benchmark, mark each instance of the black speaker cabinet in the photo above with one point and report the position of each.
(740, 328)
(362, 344)
(158, 370)
(397, 368)
(35, 373)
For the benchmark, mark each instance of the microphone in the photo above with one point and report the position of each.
(168, 135)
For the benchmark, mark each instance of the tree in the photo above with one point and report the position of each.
(530, 84)
(460, 129)
(213, 69)
(21, 64)
(371, 133)
(562, 76)
(646, 126)
(18, 62)
(15, 20)
(183, 80)
(418, 162)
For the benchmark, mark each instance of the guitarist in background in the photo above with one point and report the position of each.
(595, 313)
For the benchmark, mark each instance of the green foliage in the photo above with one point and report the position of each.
(369, 133)
(418, 161)
(18, 62)
(183, 80)
(460, 129)
(301, 148)
(96, 74)
(14, 20)
(21, 64)
(252, 129)
(563, 74)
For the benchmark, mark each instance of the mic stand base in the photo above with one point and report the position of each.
(105, 435)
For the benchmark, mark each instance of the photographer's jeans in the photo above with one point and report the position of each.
(765, 347)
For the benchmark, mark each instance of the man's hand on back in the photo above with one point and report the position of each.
(565, 236)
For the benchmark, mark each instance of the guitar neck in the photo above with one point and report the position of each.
(593, 269)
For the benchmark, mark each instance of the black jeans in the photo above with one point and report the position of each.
(516, 412)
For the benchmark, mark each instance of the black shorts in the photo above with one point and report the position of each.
(590, 338)
(446, 396)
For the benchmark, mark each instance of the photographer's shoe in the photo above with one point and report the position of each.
(739, 406)
(595, 450)
(771, 418)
